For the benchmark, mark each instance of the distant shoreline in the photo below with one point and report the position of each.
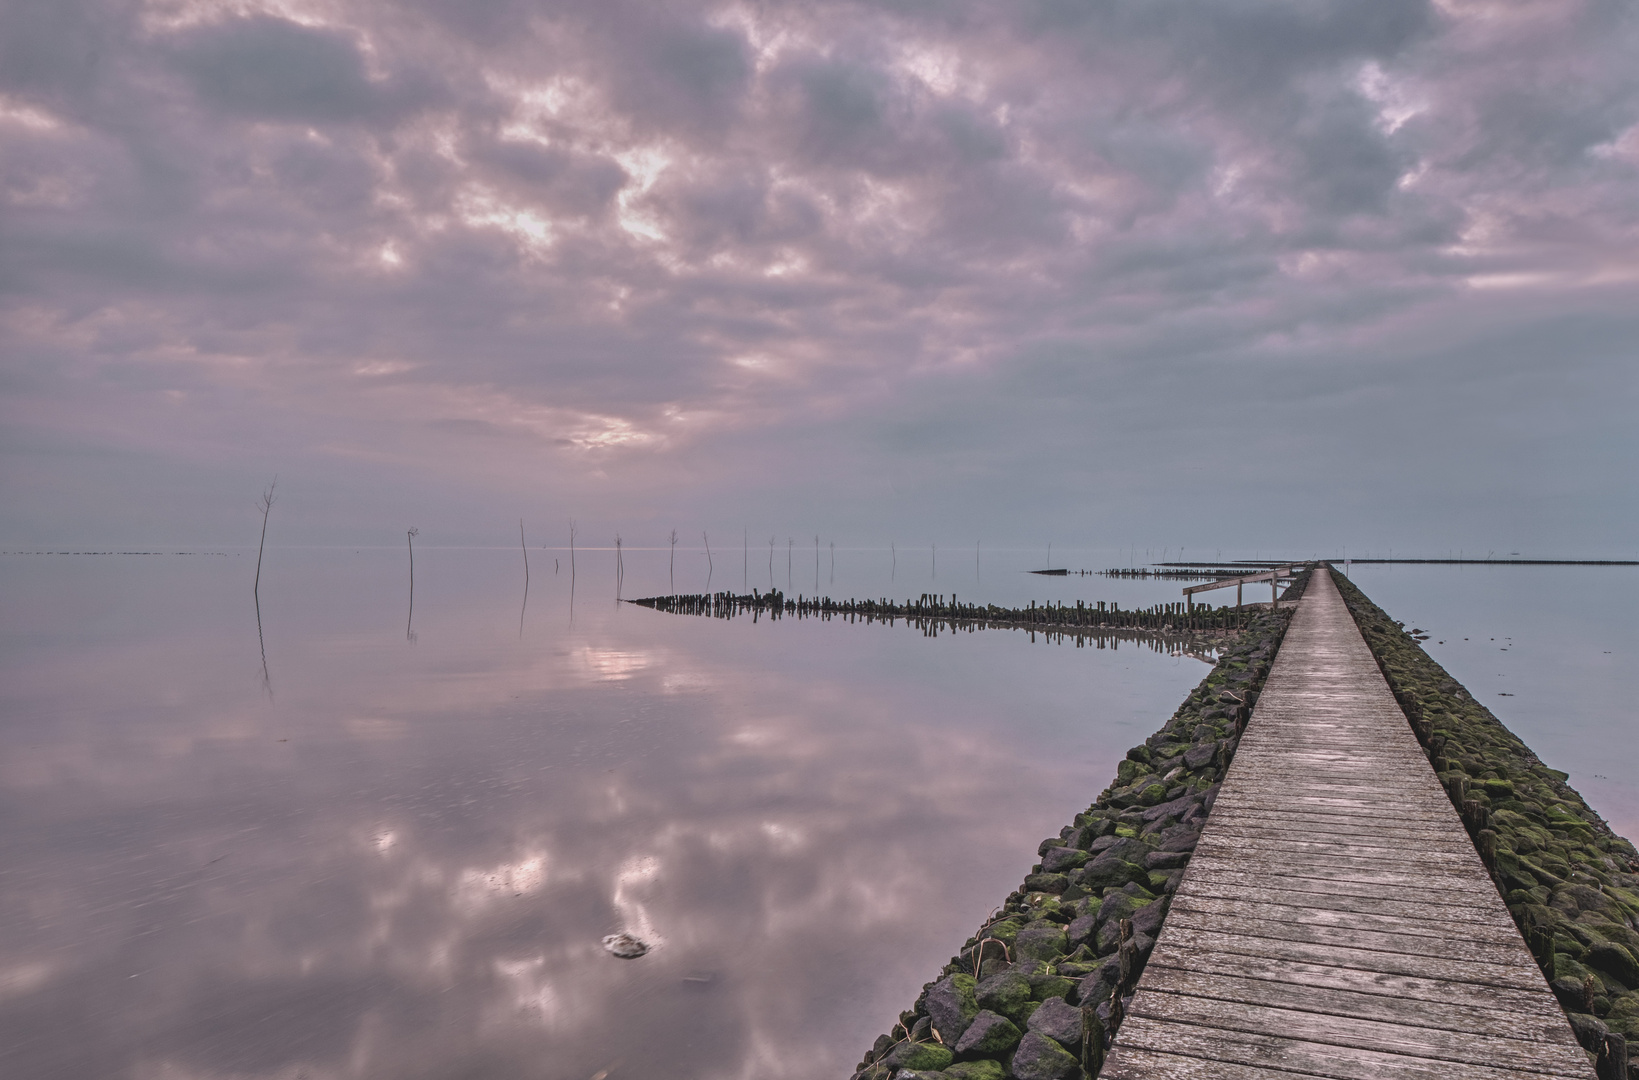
(1438, 562)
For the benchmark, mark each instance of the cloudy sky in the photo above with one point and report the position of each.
(1251, 274)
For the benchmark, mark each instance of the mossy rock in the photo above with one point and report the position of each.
(1153, 794)
(1046, 883)
(926, 1056)
(1052, 986)
(1041, 943)
(1612, 961)
(988, 1035)
(983, 1069)
(1006, 994)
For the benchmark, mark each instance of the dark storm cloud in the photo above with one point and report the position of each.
(626, 241)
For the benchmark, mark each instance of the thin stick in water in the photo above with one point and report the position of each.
(409, 620)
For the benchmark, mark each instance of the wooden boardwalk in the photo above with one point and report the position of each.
(1335, 920)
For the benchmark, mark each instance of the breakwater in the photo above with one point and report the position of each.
(933, 612)
(1041, 988)
(1570, 883)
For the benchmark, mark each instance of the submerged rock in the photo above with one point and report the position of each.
(625, 946)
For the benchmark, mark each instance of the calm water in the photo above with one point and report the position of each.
(394, 854)
(1550, 650)
(398, 857)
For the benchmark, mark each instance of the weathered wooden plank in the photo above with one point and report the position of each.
(1151, 1065)
(1449, 1014)
(1218, 873)
(1210, 961)
(1448, 947)
(1341, 836)
(1415, 830)
(1397, 925)
(1272, 863)
(1284, 1057)
(1458, 1047)
(1516, 976)
(1343, 851)
(1443, 913)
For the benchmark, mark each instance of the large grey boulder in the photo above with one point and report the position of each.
(952, 1004)
(1058, 1020)
(1040, 1058)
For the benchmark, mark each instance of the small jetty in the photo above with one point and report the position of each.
(1335, 919)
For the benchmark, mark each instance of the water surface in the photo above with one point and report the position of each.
(394, 854)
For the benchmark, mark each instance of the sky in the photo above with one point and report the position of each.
(1285, 276)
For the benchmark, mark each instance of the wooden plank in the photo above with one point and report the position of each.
(1327, 976)
(1446, 947)
(1284, 1057)
(1515, 976)
(1438, 1044)
(1341, 835)
(1218, 873)
(1419, 828)
(1151, 1065)
(1458, 1015)
(1278, 865)
(1242, 908)
(1343, 852)
(1321, 904)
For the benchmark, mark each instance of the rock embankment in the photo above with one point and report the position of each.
(1571, 884)
(1039, 991)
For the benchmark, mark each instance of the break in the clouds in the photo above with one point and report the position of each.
(1256, 272)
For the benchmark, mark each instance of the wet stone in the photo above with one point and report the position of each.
(1197, 756)
(1041, 944)
(918, 1056)
(1180, 838)
(952, 1004)
(1147, 919)
(1609, 958)
(1040, 1058)
(1051, 986)
(990, 1033)
(1103, 844)
(1590, 1030)
(1082, 929)
(1059, 859)
(1005, 993)
(1046, 883)
(1058, 1020)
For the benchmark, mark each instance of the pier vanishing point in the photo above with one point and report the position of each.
(1335, 919)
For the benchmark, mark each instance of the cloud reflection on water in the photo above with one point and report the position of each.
(405, 867)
